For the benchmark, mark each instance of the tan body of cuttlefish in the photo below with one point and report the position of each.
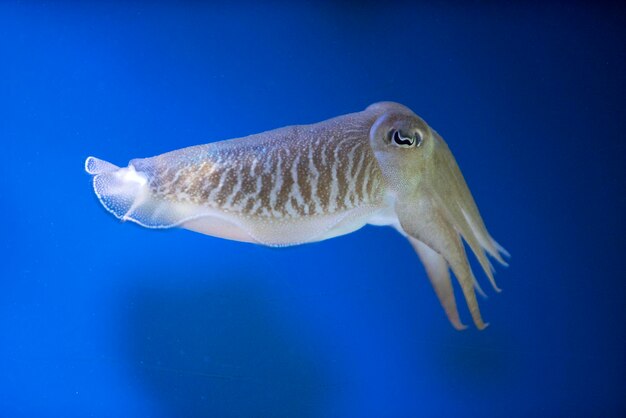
(307, 183)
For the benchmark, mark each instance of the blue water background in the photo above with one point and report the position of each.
(103, 319)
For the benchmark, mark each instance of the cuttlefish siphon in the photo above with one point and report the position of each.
(307, 183)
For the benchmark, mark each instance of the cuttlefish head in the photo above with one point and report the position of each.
(435, 209)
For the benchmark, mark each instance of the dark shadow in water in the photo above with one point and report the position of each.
(220, 350)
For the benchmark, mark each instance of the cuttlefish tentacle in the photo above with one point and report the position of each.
(425, 223)
(307, 183)
(438, 273)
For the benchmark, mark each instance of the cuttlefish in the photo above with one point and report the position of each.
(308, 183)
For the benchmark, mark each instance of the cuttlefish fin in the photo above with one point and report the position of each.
(124, 192)
(439, 275)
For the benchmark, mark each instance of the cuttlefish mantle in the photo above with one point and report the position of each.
(307, 183)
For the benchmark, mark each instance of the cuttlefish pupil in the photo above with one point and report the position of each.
(405, 141)
(307, 183)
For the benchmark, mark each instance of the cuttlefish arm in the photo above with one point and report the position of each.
(434, 208)
(307, 183)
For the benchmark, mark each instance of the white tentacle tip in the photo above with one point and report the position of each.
(458, 325)
(482, 326)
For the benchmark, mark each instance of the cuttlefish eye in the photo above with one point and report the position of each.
(405, 141)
